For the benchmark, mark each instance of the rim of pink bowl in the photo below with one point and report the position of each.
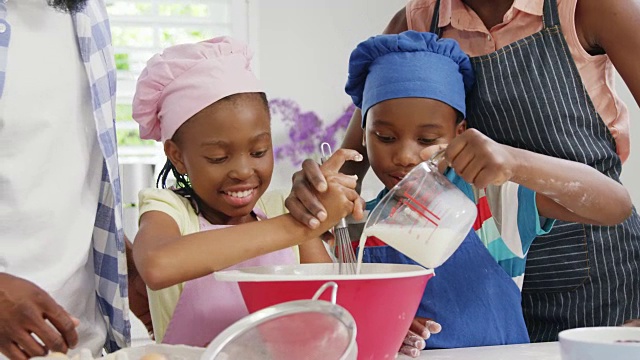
(320, 272)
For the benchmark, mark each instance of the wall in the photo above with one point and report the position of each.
(631, 169)
(303, 49)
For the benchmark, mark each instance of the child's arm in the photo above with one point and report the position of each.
(164, 257)
(566, 190)
(313, 251)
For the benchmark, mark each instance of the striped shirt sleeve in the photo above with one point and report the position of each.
(511, 223)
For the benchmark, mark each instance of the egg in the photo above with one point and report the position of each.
(153, 356)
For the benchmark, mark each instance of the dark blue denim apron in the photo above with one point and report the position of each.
(471, 296)
(529, 94)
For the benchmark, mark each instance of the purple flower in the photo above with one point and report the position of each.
(306, 130)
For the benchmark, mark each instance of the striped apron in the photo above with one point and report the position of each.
(529, 95)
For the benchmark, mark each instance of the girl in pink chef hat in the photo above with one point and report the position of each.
(207, 107)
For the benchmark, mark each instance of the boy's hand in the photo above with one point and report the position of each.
(340, 199)
(479, 160)
(420, 330)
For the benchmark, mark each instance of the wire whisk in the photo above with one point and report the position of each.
(343, 249)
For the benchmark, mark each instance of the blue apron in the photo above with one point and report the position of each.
(471, 296)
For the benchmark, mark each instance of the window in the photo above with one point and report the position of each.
(141, 28)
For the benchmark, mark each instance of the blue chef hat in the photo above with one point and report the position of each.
(410, 64)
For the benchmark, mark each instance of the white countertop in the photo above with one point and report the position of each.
(538, 351)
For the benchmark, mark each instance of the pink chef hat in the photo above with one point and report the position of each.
(185, 79)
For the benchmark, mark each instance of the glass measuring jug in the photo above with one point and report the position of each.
(424, 216)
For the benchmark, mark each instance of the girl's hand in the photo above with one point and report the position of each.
(420, 330)
(479, 160)
(303, 202)
(340, 199)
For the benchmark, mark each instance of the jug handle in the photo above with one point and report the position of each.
(436, 158)
(323, 288)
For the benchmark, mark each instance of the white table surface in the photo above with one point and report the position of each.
(538, 351)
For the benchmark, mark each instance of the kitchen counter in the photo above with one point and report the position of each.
(538, 351)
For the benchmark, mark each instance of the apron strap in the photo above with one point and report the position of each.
(550, 17)
(434, 28)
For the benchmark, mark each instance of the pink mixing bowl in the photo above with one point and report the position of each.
(383, 299)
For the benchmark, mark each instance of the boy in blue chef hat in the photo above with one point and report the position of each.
(411, 88)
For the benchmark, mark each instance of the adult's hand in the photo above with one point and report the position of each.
(27, 310)
(632, 323)
(138, 298)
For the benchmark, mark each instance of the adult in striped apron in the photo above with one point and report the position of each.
(529, 95)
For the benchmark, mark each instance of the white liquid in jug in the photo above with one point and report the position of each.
(429, 247)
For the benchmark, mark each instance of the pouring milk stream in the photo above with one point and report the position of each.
(424, 216)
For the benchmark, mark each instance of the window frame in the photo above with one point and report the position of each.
(238, 17)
